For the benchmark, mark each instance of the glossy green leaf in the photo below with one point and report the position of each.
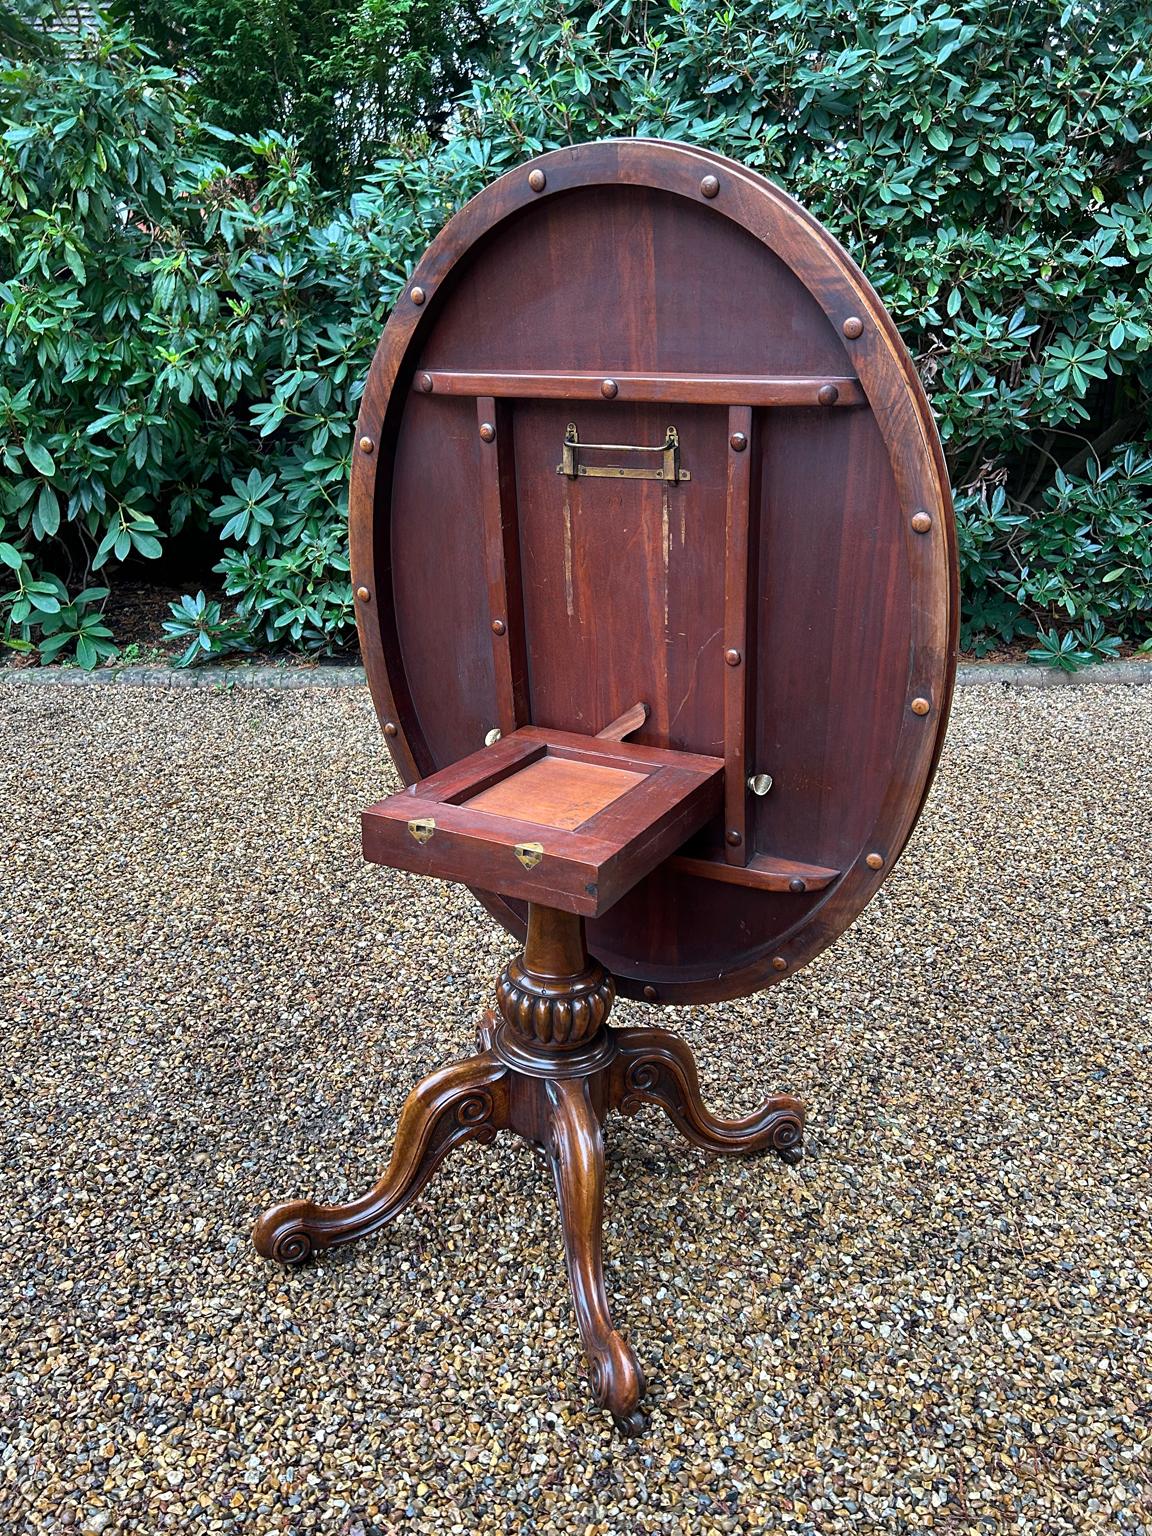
(39, 457)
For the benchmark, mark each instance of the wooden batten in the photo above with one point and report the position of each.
(822, 390)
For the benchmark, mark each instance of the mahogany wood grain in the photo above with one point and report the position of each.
(743, 286)
(550, 1069)
(763, 872)
(623, 580)
(686, 389)
(556, 792)
(614, 811)
(624, 725)
(465, 1101)
(740, 536)
(654, 1066)
(575, 1150)
(497, 494)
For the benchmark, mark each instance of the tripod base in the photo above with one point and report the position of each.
(550, 1069)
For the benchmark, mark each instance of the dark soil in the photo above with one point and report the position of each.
(136, 611)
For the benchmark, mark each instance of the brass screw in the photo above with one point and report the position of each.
(709, 186)
(417, 295)
(734, 838)
(921, 521)
(609, 389)
(738, 442)
(651, 994)
(853, 327)
(389, 727)
(733, 658)
(366, 445)
(426, 383)
(498, 626)
(828, 394)
(487, 431)
(363, 594)
(797, 887)
(875, 861)
(779, 963)
(920, 706)
(537, 180)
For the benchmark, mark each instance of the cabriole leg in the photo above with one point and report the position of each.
(576, 1151)
(466, 1101)
(655, 1066)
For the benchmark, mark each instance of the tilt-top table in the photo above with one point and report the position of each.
(655, 572)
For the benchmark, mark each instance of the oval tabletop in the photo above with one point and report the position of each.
(639, 431)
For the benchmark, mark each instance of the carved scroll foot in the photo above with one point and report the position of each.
(655, 1066)
(466, 1101)
(576, 1151)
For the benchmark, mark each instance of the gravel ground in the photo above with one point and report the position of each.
(941, 1320)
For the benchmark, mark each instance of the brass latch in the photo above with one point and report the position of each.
(422, 828)
(669, 469)
(529, 854)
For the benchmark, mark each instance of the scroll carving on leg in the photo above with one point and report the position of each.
(576, 1151)
(466, 1101)
(655, 1066)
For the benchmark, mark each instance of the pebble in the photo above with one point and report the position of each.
(940, 1321)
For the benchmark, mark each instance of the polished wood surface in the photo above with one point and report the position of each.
(556, 792)
(622, 300)
(548, 816)
(698, 389)
(741, 537)
(764, 872)
(625, 725)
(550, 1068)
(648, 461)
(497, 495)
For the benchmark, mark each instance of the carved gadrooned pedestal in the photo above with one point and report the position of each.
(549, 1068)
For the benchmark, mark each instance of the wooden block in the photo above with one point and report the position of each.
(548, 816)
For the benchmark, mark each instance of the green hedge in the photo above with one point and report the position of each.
(189, 319)
(341, 79)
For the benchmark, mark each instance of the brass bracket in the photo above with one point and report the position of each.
(669, 470)
(529, 854)
(422, 828)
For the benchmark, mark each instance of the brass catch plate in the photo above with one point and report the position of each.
(422, 828)
(668, 471)
(529, 854)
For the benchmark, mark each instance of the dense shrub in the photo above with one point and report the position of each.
(342, 80)
(185, 332)
(987, 164)
(190, 319)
